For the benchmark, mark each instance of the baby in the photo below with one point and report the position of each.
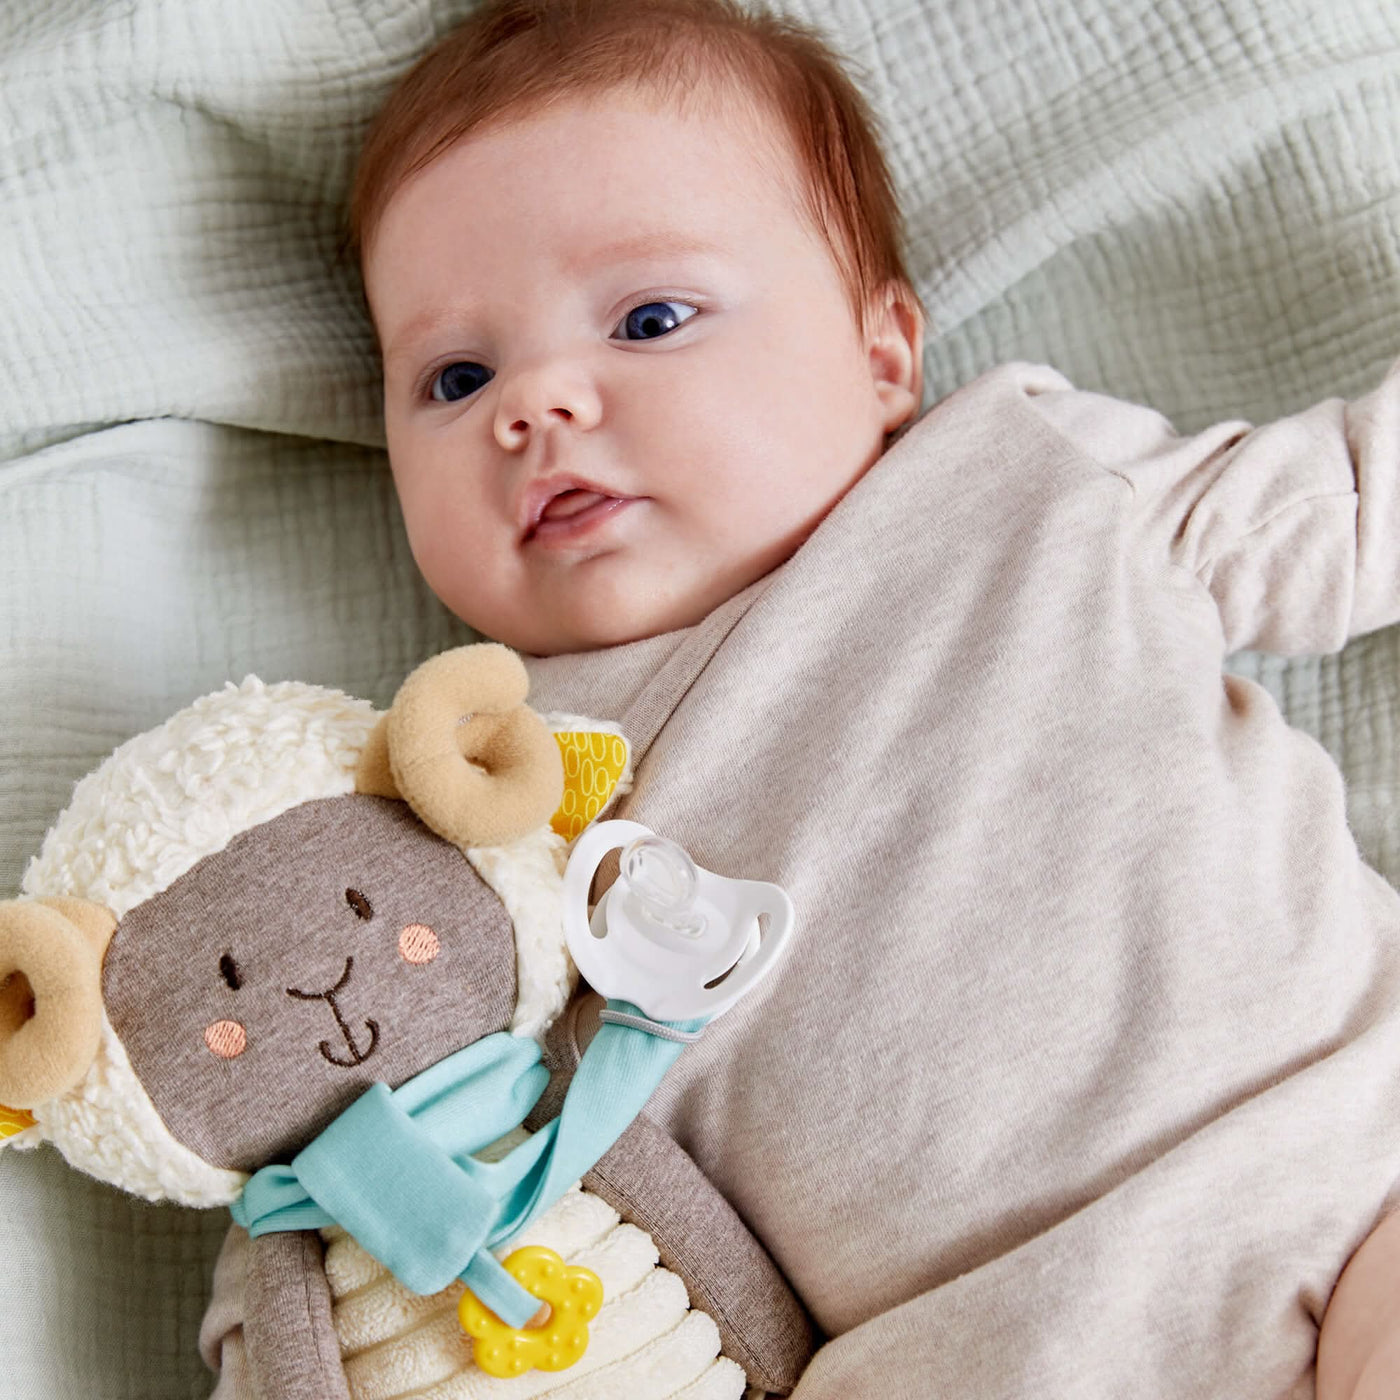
(1082, 1077)
(566, 488)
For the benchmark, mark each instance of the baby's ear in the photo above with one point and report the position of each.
(597, 770)
(894, 342)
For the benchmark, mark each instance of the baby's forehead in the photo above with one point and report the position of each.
(741, 127)
(576, 189)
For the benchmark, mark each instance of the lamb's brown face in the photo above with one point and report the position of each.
(267, 988)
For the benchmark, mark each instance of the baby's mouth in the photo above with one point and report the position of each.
(572, 515)
(568, 503)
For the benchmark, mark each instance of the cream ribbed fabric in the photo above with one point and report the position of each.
(644, 1342)
(1082, 1077)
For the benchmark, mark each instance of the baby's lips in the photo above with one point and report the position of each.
(570, 503)
(549, 497)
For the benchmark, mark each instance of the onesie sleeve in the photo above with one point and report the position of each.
(1293, 527)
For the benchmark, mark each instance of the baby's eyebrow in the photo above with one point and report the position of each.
(669, 244)
(415, 330)
(634, 248)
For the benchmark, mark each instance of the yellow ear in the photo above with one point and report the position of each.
(596, 769)
(14, 1120)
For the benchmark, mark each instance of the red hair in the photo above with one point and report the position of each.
(513, 57)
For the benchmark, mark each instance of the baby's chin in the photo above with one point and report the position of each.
(580, 627)
(561, 639)
(615, 600)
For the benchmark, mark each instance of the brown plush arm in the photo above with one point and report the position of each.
(653, 1183)
(293, 1353)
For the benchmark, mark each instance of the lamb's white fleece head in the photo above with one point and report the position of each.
(168, 798)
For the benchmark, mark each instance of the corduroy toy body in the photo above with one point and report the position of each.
(249, 916)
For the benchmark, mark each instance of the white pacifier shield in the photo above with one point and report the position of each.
(671, 976)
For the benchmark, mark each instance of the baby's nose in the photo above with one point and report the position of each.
(543, 396)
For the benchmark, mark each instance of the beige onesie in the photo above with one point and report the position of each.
(1082, 1076)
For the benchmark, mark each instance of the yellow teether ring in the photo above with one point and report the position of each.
(574, 1295)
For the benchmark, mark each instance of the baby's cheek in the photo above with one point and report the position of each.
(226, 1039)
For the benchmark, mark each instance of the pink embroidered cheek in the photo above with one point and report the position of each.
(227, 1039)
(418, 944)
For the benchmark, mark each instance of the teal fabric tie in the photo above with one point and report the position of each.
(396, 1169)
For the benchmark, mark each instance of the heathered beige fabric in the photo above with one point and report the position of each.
(1082, 1077)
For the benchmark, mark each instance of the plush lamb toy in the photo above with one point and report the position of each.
(250, 916)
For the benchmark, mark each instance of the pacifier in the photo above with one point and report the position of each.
(672, 938)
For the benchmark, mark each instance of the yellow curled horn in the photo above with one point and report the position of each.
(466, 753)
(50, 995)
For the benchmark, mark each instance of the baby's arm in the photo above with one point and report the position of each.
(1358, 1349)
(1293, 527)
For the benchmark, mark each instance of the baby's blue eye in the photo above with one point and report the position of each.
(652, 319)
(459, 380)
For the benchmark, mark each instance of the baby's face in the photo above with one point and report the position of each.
(622, 379)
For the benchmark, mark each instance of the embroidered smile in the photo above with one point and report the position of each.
(358, 1053)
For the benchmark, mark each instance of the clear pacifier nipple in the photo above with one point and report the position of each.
(672, 938)
(661, 886)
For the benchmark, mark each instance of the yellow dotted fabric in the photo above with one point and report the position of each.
(14, 1120)
(574, 1294)
(593, 766)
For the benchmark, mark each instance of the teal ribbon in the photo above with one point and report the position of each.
(396, 1170)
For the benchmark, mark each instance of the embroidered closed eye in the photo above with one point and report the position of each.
(359, 904)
